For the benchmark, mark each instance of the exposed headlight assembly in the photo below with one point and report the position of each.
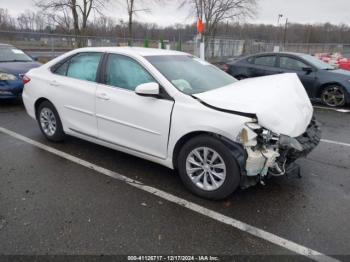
(7, 77)
(248, 136)
(290, 142)
(253, 126)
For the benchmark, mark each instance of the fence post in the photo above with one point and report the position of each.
(52, 46)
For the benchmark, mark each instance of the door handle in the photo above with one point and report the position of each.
(103, 96)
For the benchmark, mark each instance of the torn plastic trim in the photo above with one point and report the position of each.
(239, 154)
(250, 115)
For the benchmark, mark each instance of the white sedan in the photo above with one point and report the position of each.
(176, 110)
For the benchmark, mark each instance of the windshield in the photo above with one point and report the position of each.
(11, 54)
(190, 74)
(319, 64)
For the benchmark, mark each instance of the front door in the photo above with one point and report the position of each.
(293, 65)
(129, 120)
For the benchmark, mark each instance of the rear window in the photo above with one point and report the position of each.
(250, 60)
(12, 54)
(82, 66)
(269, 60)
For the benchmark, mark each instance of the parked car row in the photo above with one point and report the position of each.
(14, 63)
(335, 59)
(321, 80)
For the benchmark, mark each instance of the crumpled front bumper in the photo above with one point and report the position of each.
(276, 156)
(309, 141)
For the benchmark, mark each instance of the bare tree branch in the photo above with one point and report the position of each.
(79, 10)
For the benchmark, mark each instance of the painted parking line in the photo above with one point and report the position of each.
(341, 110)
(335, 142)
(262, 234)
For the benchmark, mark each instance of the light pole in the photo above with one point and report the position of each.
(278, 19)
(278, 30)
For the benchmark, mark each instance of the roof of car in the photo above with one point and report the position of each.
(133, 50)
(5, 45)
(280, 53)
(238, 59)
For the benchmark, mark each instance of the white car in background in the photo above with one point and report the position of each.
(176, 110)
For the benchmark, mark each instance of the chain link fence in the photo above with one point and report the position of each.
(46, 46)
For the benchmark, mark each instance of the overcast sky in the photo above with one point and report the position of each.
(301, 11)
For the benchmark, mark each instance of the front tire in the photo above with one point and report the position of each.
(207, 168)
(49, 122)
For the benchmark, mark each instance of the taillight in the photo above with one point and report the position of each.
(25, 79)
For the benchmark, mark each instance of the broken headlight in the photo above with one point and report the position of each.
(254, 134)
(247, 137)
(291, 142)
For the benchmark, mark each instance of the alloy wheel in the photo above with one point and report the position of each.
(206, 168)
(48, 121)
(333, 96)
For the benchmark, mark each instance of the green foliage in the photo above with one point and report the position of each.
(146, 43)
(179, 46)
(162, 44)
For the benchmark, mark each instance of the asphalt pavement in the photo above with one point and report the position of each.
(50, 205)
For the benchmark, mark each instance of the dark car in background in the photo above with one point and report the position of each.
(321, 80)
(14, 63)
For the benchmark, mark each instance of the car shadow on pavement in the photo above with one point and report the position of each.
(11, 105)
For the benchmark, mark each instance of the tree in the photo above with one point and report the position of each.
(29, 20)
(6, 20)
(79, 10)
(133, 7)
(215, 12)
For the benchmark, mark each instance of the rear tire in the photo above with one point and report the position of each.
(207, 168)
(334, 96)
(49, 122)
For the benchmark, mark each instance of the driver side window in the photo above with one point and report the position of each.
(124, 72)
(291, 63)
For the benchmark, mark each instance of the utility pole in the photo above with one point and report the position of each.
(285, 34)
(202, 41)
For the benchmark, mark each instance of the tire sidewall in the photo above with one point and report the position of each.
(233, 174)
(59, 133)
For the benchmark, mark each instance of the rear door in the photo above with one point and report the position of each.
(293, 64)
(264, 65)
(73, 89)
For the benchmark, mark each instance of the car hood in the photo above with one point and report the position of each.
(17, 68)
(280, 102)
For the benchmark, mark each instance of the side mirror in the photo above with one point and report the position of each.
(148, 89)
(308, 70)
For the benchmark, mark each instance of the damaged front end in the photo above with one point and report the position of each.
(270, 154)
